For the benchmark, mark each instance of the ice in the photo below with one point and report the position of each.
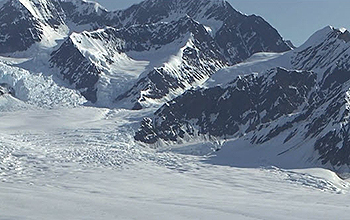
(37, 90)
(42, 11)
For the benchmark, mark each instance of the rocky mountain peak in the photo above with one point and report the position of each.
(153, 11)
(86, 7)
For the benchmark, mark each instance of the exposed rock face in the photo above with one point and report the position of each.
(89, 14)
(78, 70)
(247, 104)
(6, 89)
(19, 29)
(155, 51)
(199, 57)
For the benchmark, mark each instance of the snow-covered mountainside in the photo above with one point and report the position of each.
(254, 86)
(193, 39)
(86, 15)
(26, 22)
(290, 101)
(238, 35)
(245, 105)
(185, 50)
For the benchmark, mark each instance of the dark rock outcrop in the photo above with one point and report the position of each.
(249, 102)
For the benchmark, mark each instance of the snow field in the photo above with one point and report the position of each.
(82, 163)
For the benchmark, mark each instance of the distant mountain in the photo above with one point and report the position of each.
(289, 101)
(237, 34)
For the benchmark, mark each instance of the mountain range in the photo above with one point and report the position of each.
(211, 72)
(192, 39)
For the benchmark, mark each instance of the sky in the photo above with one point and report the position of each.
(295, 20)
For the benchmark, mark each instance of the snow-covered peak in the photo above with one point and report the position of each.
(323, 35)
(27, 22)
(87, 7)
(201, 2)
(326, 51)
(342, 29)
(180, 2)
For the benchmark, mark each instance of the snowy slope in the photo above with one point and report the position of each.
(201, 37)
(324, 52)
(88, 15)
(42, 23)
(156, 61)
(114, 67)
(195, 58)
(239, 35)
(95, 62)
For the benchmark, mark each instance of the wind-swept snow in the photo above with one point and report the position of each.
(257, 63)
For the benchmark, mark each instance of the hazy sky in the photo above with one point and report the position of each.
(294, 19)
